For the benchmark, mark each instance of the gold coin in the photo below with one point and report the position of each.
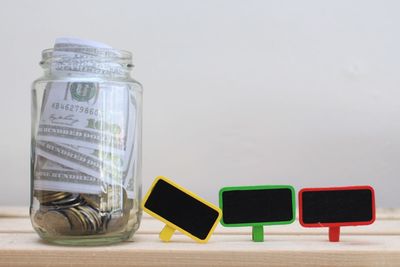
(95, 215)
(90, 220)
(76, 223)
(81, 219)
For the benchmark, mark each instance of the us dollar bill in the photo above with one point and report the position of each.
(88, 115)
(76, 160)
(111, 137)
(51, 176)
(72, 171)
(85, 54)
(98, 153)
(86, 136)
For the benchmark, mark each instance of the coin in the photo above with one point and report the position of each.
(38, 218)
(56, 222)
(72, 200)
(49, 196)
(89, 218)
(92, 200)
(95, 215)
(66, 213)
(77, 227)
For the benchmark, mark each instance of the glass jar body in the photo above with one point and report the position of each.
(86, 159)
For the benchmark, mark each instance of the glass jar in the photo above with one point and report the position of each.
(86, 146)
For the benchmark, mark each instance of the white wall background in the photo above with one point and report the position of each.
(236, 92)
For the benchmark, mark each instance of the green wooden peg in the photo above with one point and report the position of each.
(258, 233)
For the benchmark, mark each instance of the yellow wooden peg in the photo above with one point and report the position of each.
(166, 233)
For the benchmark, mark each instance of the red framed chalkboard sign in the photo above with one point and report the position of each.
(334, 207)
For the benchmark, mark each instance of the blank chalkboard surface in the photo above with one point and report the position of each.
(337, 206)
(251, 205)
(181, 209)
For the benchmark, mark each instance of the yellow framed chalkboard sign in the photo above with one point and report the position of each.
(181, 210)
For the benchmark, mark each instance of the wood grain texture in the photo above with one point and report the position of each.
(147, 250)
(151, 226)
(290, 245)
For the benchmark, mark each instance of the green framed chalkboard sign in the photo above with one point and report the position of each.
(257, 206)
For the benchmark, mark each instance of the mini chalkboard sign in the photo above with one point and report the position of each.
(180, 210)
(257, 206)
(335, 207)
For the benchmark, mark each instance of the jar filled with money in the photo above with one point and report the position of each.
(86, 145)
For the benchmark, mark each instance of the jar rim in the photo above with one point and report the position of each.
(98, 53)
(104, 55)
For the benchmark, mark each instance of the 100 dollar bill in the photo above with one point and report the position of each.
(87, 137)
(52, 176)
(86, 114)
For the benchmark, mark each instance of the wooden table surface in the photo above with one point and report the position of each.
(286, 245)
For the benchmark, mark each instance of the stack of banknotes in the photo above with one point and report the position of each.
(85, 147)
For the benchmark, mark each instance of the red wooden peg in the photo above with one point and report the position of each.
(334, 234)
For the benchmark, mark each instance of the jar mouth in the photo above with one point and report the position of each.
(104, 55)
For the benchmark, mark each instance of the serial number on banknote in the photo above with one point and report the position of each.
(76, 108)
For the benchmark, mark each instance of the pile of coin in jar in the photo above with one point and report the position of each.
(66, 213)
